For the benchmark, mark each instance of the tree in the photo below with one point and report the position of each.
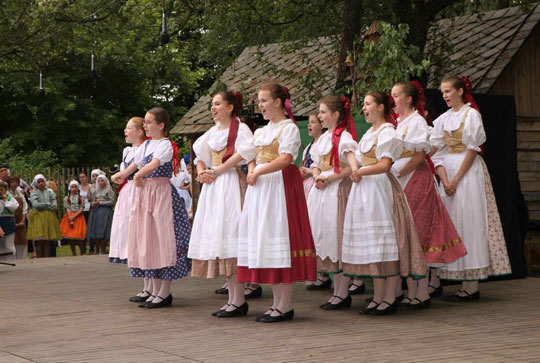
(78, 117)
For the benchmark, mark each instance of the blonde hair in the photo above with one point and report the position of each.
(138, 122)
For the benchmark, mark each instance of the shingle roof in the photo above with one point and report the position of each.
(314, 64)
(481, 45)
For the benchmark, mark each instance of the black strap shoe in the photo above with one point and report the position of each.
(289, 315)
(344, 303)
(420, 304)
(219, 311)
(391, 308)
(467, 297)
(325, 284)
(437, 292)
(358, 289)
(140, 299)
(146, 302)
(165, 302)
(366, 310)
(238, 311)
(258, 318)
(255, 293)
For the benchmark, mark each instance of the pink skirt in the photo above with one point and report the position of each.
(151, 236)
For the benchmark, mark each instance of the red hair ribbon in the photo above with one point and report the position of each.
(420, 104)
(467, 96)
(233, 128)
(391, 117)
(287, 104)
(175, 161)
(347, 122)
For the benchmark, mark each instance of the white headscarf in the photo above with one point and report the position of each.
(74, 182)
(107, 184)
(97, 171)
(36, 178)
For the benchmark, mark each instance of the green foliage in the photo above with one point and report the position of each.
(35, 160)
(382, 63)
(82, 119)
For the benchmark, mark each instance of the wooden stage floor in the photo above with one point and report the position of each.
(76, 309)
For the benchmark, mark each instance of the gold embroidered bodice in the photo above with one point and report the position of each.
(217, 156)
(454, 140)
(325, 162)
(370, 158)
(268, 153)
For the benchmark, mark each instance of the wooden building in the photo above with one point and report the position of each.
(500, 53)
(498, 50)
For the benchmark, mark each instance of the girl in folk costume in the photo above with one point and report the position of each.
(118, 250)
(100, 221)
(328, 200)
(93, 177)
(21, 213)
(8, 206)
(379, 238)
(439, 238)
(85, 192)
(42, 221)
(73, 224)
(315, 130)
(213, 246)
(466, 191)
(275, 244)
(159, 227)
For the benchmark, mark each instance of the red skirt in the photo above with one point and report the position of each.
(303, 258)
(438, 235)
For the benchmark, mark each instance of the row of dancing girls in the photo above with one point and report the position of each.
(264, 239)
(159, 228)
(437, 235)
(363, 230)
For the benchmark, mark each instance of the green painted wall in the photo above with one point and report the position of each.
(361, 127)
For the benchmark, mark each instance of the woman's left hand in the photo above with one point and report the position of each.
(252, 178)
(138, 179)
(321, 182)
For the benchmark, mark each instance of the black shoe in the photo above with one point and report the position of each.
(219, 311)
(344, 303)
(392, 308)
(145, 303)
(140, 299)
(360, 289)
(437, 292)
(239, 311)
(366, 310)
(398, 298)
(405, 303)
(468, 297)
(289, 315)
(165, 302)
(258, 318)
(255, 293)
(222, 291)
(420, 304)
(325, 285)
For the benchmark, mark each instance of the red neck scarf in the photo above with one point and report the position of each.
(231, 139)
(347, 122)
